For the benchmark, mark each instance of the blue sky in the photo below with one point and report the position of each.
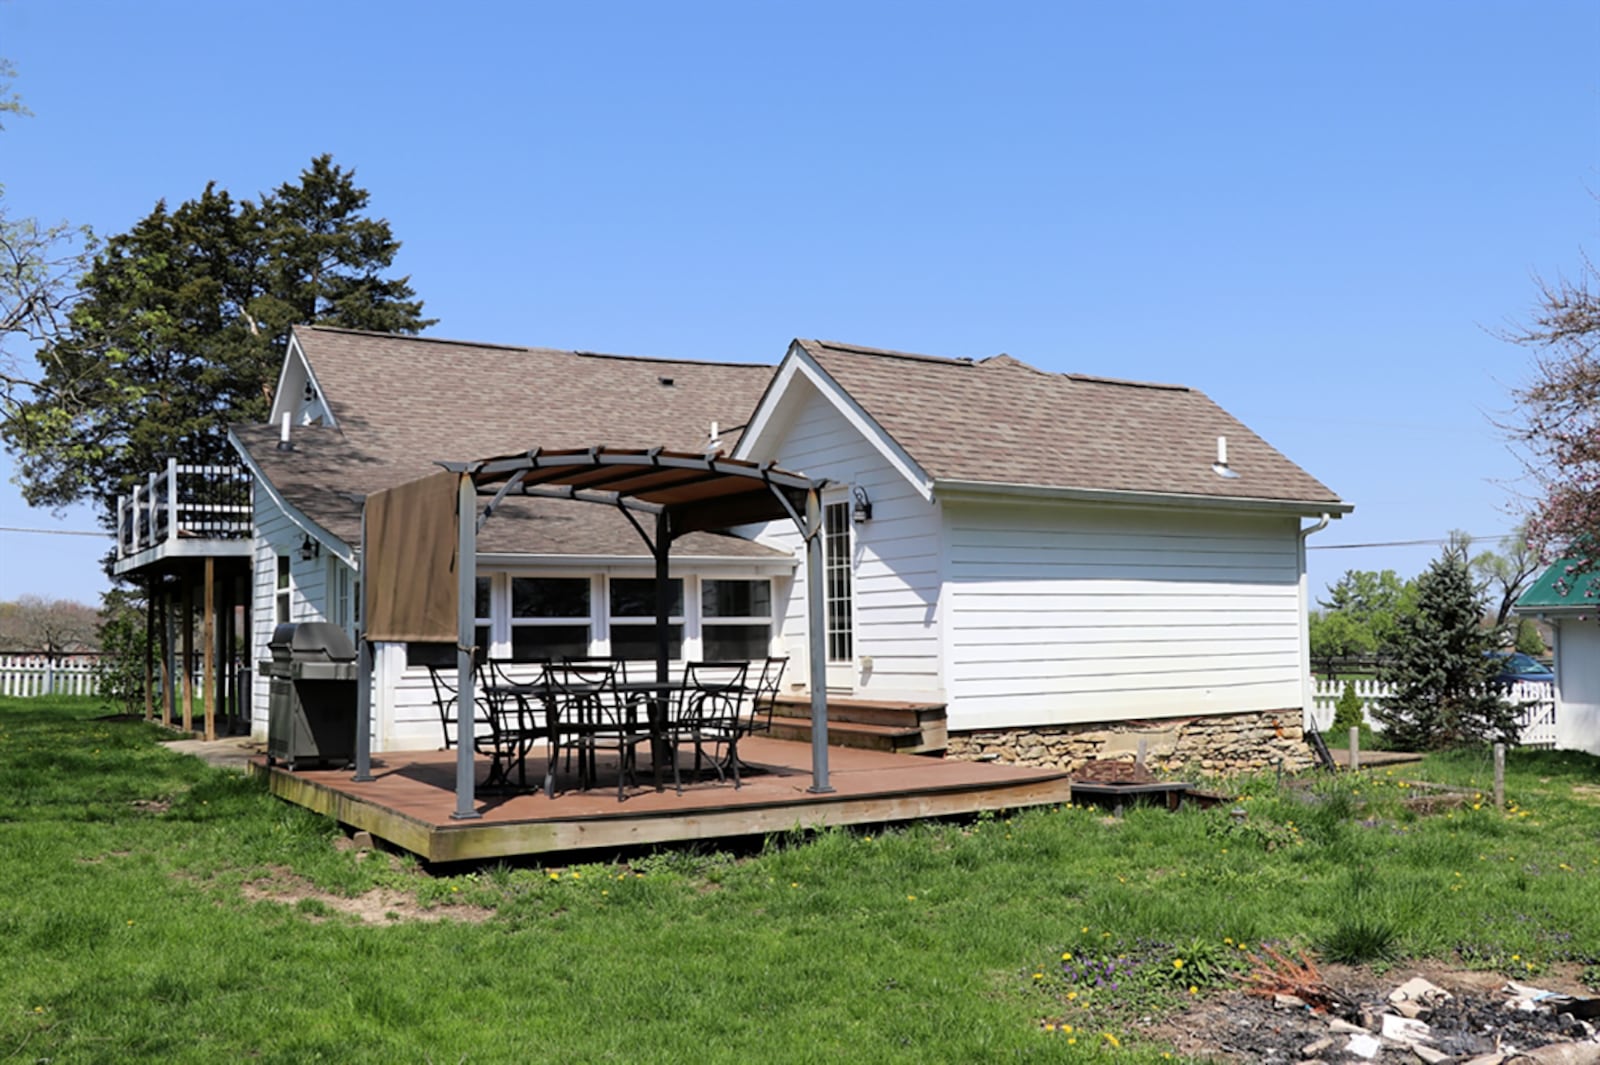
(1316, 213)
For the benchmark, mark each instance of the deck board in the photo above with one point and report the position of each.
(410, 801)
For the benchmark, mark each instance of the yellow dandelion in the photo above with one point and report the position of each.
(794, 883)
(1066, 957)
(1038, 976)
(1177, 963)
(1193, 990)
(911, 898)
(1109, 1038)
(1067, 1028)
(1049, 1027)
(1072, 996)
(555, 876)
(1528, 966)
(1516, 957)
(1085, 928)
(1071, 1040)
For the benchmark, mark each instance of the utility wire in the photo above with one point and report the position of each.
(51, 532)
(1438, 541)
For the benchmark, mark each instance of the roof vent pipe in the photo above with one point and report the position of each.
(1220, 467)
(284, 443)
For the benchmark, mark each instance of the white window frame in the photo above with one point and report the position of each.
(838, 507)
(732, 621)
(592, 621)
(282, 589)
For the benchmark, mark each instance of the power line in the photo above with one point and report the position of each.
(1436, 542)
(52, 532)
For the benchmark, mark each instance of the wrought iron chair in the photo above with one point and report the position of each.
(764, 695)
(520, 710)
(446, 699)
(589, 709)
(708, 715)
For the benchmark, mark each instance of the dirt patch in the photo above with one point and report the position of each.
(151, 806)
(378, 906)
(1237, 1027)
(1586, 792)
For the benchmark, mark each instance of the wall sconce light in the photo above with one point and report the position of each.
(863, 507)
(311, 392)
(309, 549)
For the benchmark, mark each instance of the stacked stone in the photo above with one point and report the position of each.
(1217, 743)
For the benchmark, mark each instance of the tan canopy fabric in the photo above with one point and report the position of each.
(410, 564)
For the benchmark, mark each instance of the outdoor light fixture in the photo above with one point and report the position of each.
(863, 507)
(309, 549)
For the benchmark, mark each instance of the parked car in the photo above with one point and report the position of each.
(1519, 668)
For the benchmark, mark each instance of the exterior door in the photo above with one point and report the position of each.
(839, 593)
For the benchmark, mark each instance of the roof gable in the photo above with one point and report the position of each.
(999, 421)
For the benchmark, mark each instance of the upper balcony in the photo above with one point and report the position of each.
(184, 511)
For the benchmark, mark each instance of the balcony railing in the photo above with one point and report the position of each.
(185, 502)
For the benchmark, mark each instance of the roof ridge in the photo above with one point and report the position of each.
(860, 349)
(413, 336)
(1123, 382)
(671, 359)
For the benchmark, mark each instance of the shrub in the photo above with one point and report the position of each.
(1347, 712)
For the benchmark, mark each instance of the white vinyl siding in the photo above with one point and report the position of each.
(1064, 613)
(895, 578)
(1577, 684)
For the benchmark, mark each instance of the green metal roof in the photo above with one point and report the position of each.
(1560, 590)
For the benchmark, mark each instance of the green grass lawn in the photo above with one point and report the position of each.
(128, 933)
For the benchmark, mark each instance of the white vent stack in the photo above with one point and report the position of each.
(1221, 467)
(284, 444)
(715, 438)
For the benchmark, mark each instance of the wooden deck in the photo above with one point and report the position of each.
(410, 801)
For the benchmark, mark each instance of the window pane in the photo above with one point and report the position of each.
(482, 607)
(635, 597)
(637, 643)
(552, 643)
(443, 655)
(550, 597)
(283, 572)
(736, 599)
(737, 643)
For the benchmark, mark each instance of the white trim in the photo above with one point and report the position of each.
(797, 363)
(279, 405)
(986, 491)
(330, 543)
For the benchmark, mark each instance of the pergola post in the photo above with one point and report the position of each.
(662, 547)
(466, 635)
(363, 672)
(817, 640)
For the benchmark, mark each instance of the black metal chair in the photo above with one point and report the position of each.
(764, 694)
(590, 712)
(707, 714)
(522, 716)
(446, 699)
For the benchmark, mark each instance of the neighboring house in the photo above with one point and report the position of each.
(1065, 563)
(1570, 603)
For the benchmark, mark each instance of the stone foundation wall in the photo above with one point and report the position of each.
(1216, 743)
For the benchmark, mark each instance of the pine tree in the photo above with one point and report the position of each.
(181, 325)
(1441, 672)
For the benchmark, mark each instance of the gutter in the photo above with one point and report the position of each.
(1307, 690)
(990, 489)
(330, 543)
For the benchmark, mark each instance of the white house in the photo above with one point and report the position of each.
(1570, 602)
(1066, 564)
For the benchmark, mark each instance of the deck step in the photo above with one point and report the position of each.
(864, 711)
(898, 739)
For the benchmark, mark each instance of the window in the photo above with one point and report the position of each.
(443, 655)
(633, 619)
(836, 581)
(339, 606)
(280, 610)
(550, 618)
(736, 619)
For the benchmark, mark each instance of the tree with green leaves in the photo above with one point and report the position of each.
(1441, 671)
(181, 325)
(1360, 617)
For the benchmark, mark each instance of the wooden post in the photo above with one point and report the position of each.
(169, 675)
(186, 595)
(149, 649)
(1355, 748)
(1499, 776)
(208, 633)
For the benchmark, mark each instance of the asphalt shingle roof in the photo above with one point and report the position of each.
(1000, 420)
(404, 403)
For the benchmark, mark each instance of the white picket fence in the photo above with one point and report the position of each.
(33, 674)
(1538, 702)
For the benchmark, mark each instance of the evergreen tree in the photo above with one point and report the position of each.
(1441, 672)
(181, 325)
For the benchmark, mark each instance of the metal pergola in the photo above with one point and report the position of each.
(679, 492)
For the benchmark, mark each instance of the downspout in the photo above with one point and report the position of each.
(1307, 697)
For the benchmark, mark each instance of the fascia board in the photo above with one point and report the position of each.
(332, 544)
(718, 563)
(797, 363)
(991, 491)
